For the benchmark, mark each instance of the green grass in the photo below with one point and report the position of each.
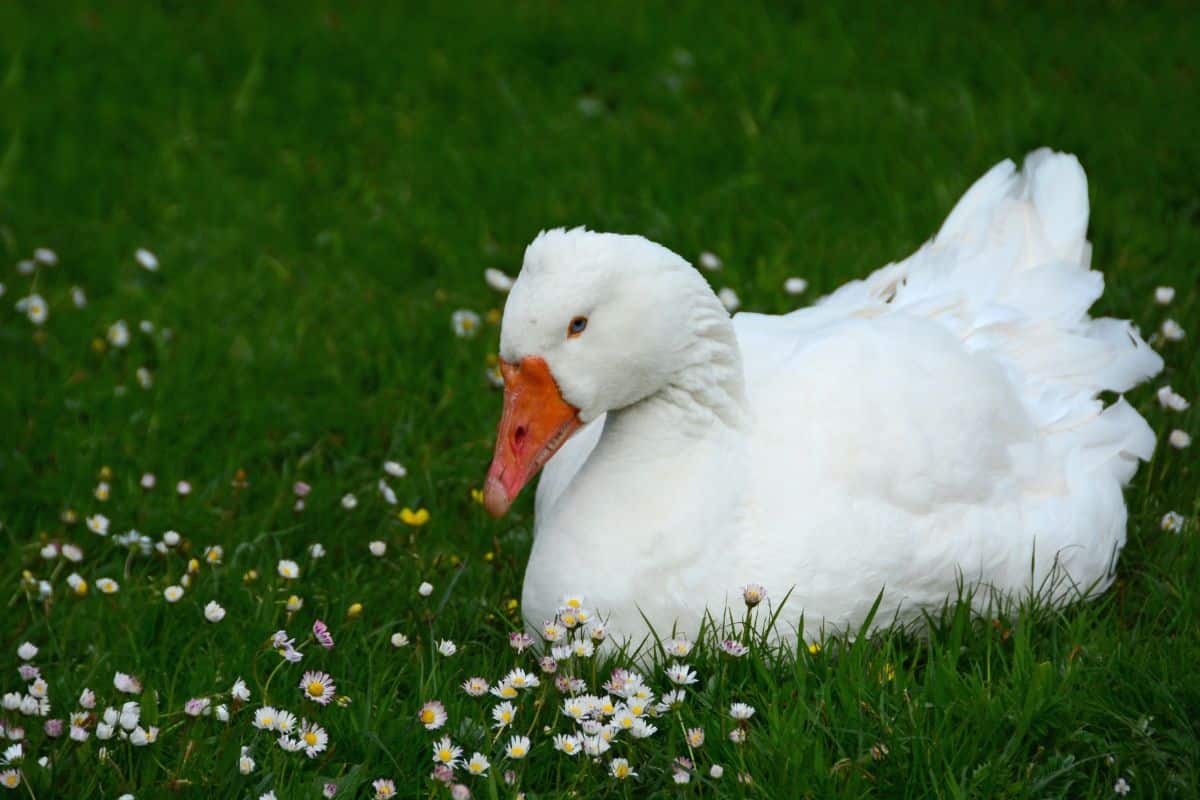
(325, 185)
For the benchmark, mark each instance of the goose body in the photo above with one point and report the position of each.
(934, 425)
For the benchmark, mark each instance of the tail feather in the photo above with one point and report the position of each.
(1008, 272)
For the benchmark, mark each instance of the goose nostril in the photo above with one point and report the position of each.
(518, 435)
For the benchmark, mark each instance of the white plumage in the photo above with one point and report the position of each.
(937, 421)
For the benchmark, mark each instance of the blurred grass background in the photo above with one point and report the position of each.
(324, 183)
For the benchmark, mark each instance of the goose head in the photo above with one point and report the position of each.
(595, 322)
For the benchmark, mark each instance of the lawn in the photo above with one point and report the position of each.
(321, 188)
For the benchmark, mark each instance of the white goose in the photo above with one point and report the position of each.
(935, 423)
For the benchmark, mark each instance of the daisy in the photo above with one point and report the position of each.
(285, 721)
(35, 308)
(716, 771)
(126, 683)
(680, 647)
(107, 585)
(497, 279)
(102, 491)
(741, 711)
(425, 589)
(146, 260)
(290, 744)
(1121, 787)
(620, 769)
(504, 690)
(388, 494)
(264, 718)
(794, 286)
(476, 687)
(552, 631)
(27, 651)
(377, 548)
(77, 584)
(753, 594)
(729, 299)
(681, 674)
(642, 729)
(349, 502)
(695, 737)
(465, 323)
(478, 765)
(1163, 295)
(196, 706)
(288, 569)
(313, 737)
(1180, 440)
(245, 763)
(569, 744)
(78, 296)
(737, 735)
(734, 648)
(172, 593)
(673, 699)
(213, 554)
(322, 635)
(517, 747)
(1167, 398)
(709, 261)
(318, 687)
(148, 480)
(1172, 521)
(432, 715)
(595, 745)
(446, 752)
(316, 550)
(520, 641)
(520, 679)
(583, 648)
(395, 469)
(384, 789)
(98, 524)
(577, 707)
(399, 640)
(294, 603)
(213, 612)
(10, 778)
(503, 714)
(87, 699)
(1172, 331)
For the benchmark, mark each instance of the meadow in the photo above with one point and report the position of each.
(241, 435)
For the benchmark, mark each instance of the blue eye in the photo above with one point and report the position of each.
(577, 326)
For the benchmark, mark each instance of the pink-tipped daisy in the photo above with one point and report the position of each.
(432, 715)
(322, 635)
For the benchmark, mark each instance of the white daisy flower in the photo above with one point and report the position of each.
(126, 683)
(145, 377)
(1172, 521)
(384, 789)
(173, 593)
(709, 261)
(620, 769)
(425, 589)
(395, 469)
(1172, 331)
(78, 296)
(503, 714)
(465, 323)
(795, 286)
(377, 548)
(213, 612)
(753, 594)
(571, 744)
(35, 308)
(476, 687)
(44, 255)
(681, 674)
(716, 771)
(107, 585)
(478, 765)
(1167, 398)
(316, 550)
(729, 299)
(1180, 440)
(26, 266)
(171, 538)
(520, 679)
(72, 553)
(349, 501)
(10, 778)
(386, 492)
(288, 569)
(504, 690)
(517, 747)
(497, 279)
(1163, 295)
(264, 718)
(741, 711)
(27, 651)
(446, 752)
(432, 715)
(285, 721)
(183, 488)
(118, 334)
(399, 640)
(447, 648)
(245, 763)
(146, 260)
(313, 738)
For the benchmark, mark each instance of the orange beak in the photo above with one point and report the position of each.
(535, 423)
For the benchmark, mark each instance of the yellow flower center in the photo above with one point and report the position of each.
(427, 715)
(518, 751)
(621, 771)
(316, 688)
(310, 739)
(508, 691)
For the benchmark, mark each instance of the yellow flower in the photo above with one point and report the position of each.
(512, 604)
(294, 603)
(477, 496)
(81, 588)
(250, 577)
(489, 556)
(814, 648)
(493, 316)
(106, 473)
(355, 611)
(193, 565)
(414, 518)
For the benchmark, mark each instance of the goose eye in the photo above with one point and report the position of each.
(577, 326)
